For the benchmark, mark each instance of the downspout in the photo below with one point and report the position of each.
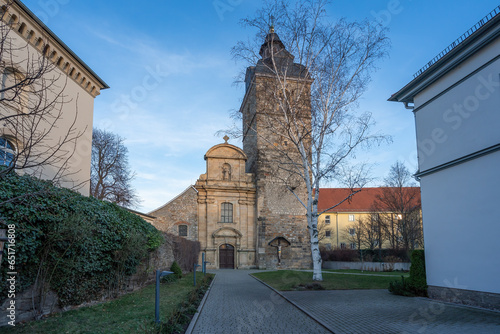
(337, 222)
(407, 106)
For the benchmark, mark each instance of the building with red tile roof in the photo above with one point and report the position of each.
(339, 215)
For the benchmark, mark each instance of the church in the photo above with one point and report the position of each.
(240, 209)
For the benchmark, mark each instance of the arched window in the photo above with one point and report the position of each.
(183, 230)
(7, 152)
(226, 213)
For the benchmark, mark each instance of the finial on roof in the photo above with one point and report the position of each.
(226, 138)
(271, 28)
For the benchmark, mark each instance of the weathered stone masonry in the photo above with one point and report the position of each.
(242, 202)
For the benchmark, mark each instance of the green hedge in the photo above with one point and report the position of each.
(78, 246)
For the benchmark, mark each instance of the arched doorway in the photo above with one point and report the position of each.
(226, 256)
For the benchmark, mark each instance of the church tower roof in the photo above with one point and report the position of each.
(273, 46)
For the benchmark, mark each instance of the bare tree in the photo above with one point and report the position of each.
(355, 233)
(311, 107)
(110, 174)
(400, 199)
(324, 230)
(33, 138)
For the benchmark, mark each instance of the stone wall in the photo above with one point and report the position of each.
(465, 297)
(182, 210)
(367, 266)
(160, 259)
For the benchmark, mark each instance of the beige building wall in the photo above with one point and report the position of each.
(73, 86)
(340, 228)
(226, 185)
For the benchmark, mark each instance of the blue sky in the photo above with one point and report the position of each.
(171, 75)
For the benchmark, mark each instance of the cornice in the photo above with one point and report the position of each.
(26, 25)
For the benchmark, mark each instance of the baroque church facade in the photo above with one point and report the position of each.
(240, 210)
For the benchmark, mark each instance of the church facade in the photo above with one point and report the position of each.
(241, 210)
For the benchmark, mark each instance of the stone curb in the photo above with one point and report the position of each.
(190, 328)
(294, 304)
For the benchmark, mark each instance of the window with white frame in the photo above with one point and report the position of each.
(353, 245)
(328, 233)
(352, 231)
(7, 152)
(342, 245)
(226, 213)
(351, 218)
(327, 219)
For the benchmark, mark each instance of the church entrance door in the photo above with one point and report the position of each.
(226, 256)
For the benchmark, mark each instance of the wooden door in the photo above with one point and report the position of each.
(226, 257)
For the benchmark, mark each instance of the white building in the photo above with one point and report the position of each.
(46, 101)
(456, 103)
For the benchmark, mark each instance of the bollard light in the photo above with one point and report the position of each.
(194, 271)
(159, 274)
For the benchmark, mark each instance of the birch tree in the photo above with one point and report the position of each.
(338, 58)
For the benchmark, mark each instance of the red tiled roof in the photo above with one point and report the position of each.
(359, 202)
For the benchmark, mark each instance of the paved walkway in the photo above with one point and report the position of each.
(378, 311)
(237, 303)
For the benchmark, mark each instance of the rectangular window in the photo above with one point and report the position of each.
(352, 231)
(342, 245)
(328, 233)
(327, 219)
(353, 245)
(351, 218)
(226, 213)
(183, 230)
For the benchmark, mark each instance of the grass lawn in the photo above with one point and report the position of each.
(384, 273)
(286, 280)
(132, 313)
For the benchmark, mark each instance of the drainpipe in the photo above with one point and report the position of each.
(407, 106)
(337, 222)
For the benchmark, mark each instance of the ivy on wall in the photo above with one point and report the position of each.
(79, 247)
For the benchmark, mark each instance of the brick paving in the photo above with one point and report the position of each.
(237, 303)
(378, 311)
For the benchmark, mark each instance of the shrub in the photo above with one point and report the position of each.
(416, 284)
(401, 288)
(418, 279)
(339, 254)
(176, 269)
(369, 255)
(80, 247)
(186, 252)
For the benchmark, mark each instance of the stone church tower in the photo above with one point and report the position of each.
(275, 83)
(241, 210)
